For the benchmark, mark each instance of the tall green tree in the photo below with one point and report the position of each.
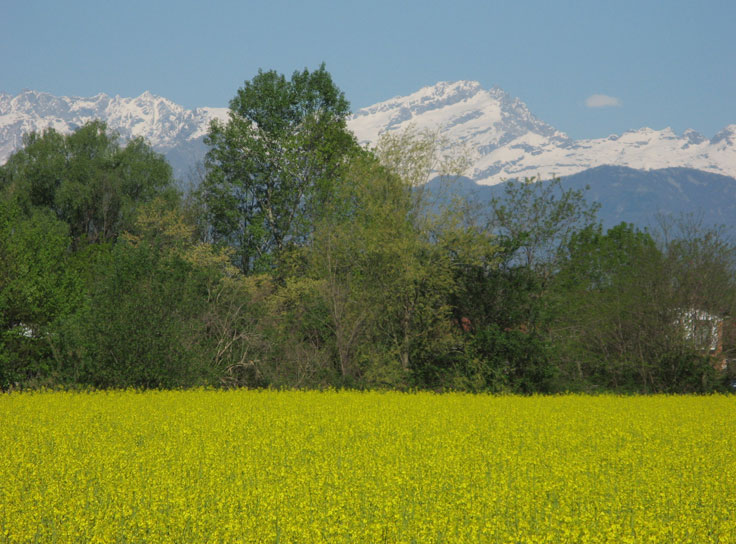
(58, 195)
(386, 261)
(87, 179)
(507, 306)
(610, 306)
(504, 314)
(271, 167)
(702, 263)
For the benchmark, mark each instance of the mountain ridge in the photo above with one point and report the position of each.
(170, 128)
(642, 198)
(505, 139)
(508, 141)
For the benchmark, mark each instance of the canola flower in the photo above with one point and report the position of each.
(264, 466)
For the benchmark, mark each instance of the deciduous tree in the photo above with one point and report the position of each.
(272, 165)
(87, 179)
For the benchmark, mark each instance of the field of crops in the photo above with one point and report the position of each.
(207, 466)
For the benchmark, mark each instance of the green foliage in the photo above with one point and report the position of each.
(702, 264)
(306, 261)
(36, 291)
(539, 218)
(604, 304)
(272, 166)
(387, 268)
(504, 316)
(505, 310)
(514, 360)
(86, 179)
(137, 327)
(150, 319)
(621, 302)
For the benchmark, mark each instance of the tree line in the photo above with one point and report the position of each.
(302, 259)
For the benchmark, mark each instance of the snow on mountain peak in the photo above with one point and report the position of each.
(462, 110)
(163, 123)
(693, 136)
(725, 137)
(507, 141)
(466, 114)
(504, 138)
(447, 90)
(402, 108)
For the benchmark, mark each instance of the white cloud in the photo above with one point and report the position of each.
(602, 101)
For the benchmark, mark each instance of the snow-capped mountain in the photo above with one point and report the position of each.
(504, 138)
(507, 141)
(168, 127)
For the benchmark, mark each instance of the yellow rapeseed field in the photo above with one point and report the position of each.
(247, 466)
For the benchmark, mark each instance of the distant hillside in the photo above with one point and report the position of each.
(638, 196)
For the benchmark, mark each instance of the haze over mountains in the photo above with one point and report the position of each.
(504, 138)
(641, 197)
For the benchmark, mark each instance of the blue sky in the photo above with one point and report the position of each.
(589, 68)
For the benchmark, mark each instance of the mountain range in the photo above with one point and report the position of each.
(503, 138)
(171, 129)
(641, 197)
(507, 141)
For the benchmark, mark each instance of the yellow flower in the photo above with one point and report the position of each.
(263, 466)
